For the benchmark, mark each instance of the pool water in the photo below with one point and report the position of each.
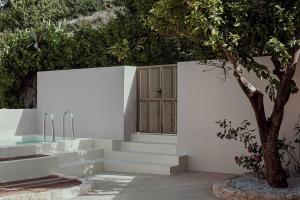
(26, 140)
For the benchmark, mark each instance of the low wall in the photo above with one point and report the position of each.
(15, 122)
(203, 99)
(101, 100)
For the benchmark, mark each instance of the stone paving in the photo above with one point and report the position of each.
(124, 186)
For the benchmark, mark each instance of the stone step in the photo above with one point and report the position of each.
(141, 137)
(150, 147)
(28, 168)
(155, 158)
(65, 145)
(81, 155)
(140, 167)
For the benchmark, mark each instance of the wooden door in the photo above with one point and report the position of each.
(157, 99)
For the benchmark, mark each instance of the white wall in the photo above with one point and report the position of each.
(130, 101)
(15, 122)
(203, 98)
(95, 96)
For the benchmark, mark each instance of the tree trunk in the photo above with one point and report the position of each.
(269, 132)
(28, 91)
(276, 176)
(269, 129)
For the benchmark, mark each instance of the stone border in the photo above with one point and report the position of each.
(225, 191)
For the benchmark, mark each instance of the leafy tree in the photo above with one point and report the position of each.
(24, 28)
(49, 47)
(146, 47)
(22, 14)
(239, 30)
(36, 38)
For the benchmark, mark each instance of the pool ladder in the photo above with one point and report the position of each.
(48, 113)
(72, 123)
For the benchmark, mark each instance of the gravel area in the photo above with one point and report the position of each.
(252, 183)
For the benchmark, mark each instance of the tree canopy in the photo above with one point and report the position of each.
(237, 31)
(244, 29)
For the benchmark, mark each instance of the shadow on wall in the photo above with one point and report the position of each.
(130, 102)
(17, 122)
(203, 99)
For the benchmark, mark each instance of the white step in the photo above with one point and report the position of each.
(150, 147)
(81, 155)
(154, 158)
(140, 167)
(82, 168)
(172, 139)
(15, 151)
(30, 168)
(65, 145)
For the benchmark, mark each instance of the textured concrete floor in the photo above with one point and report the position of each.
(123, 186)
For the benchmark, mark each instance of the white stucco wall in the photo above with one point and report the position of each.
(203, 98)
(130, 101)
(96, 97)
(15, 122)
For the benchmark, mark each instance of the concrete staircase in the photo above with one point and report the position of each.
(149, 154)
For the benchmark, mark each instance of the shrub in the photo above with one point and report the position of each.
(22, 14)
(48, 47)
(37, 40)
(253, 160)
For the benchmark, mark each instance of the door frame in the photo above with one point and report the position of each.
(162, 99)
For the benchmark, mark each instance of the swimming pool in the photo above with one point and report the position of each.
(30, 139)
(69, 156)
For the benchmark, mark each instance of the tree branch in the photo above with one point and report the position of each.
(279, 70)
(255, 96)
(247, 87)
(291, 69)
(283, 93)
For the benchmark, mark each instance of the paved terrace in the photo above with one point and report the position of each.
(124, 186)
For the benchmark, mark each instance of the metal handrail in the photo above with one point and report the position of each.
(52, 123)
(72, 123)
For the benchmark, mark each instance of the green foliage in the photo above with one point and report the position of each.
(21, 14)
(120, 50)
(49, 47)
(35, 39)
(244, 28)
(146, 46)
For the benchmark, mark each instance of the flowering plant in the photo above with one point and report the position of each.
(253, 159)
